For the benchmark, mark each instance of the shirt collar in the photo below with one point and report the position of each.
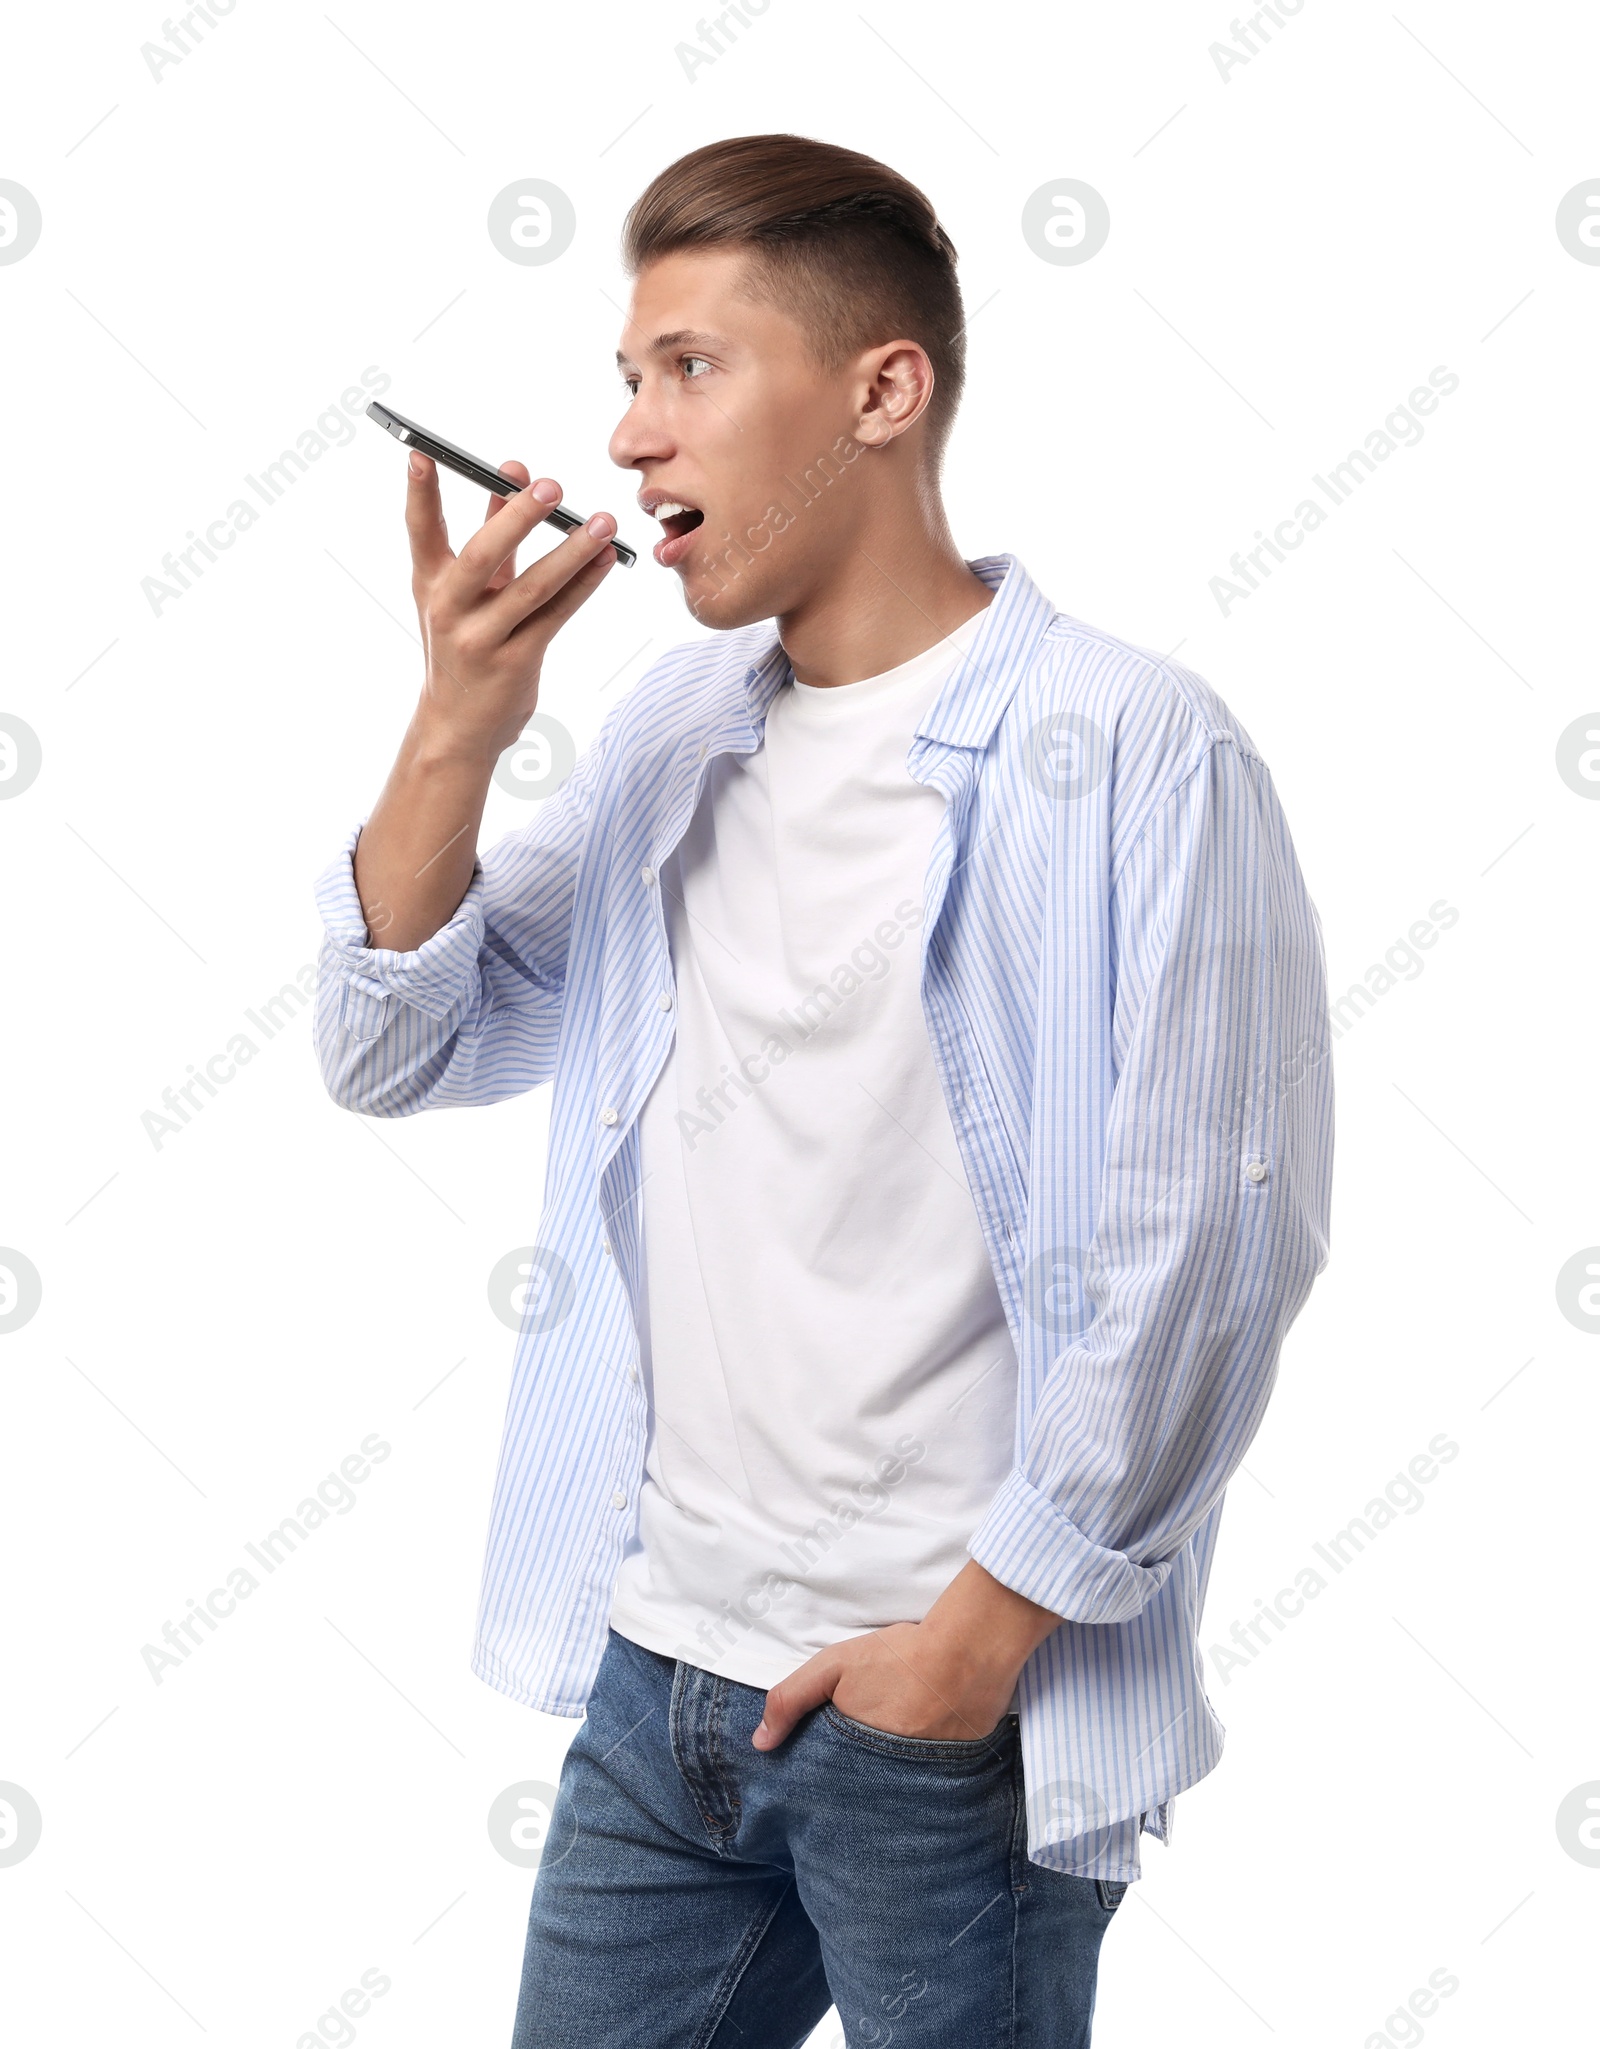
(976, 692)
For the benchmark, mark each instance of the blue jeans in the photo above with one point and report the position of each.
(697, 1893)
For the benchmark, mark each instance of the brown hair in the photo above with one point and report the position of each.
(852, 250)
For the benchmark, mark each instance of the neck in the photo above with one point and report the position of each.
(896, 588)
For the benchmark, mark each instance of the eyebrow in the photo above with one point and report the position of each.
(679, 336)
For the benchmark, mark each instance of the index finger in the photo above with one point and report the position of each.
(518, 473)
(430, 539)
(499, 537)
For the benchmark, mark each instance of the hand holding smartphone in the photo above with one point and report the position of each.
(476, 471)
(484, 630)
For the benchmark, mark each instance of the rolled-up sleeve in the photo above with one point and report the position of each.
(1212, 1214)
(472, 1015)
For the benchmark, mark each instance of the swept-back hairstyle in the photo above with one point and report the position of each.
(852, 251)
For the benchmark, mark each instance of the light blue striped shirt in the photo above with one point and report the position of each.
(1123, 982)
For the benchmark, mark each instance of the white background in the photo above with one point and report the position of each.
(226, 1315)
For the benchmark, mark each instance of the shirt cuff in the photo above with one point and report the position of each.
(1031, 1547)
(433, 977)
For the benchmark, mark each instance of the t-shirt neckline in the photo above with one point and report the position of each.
(940, 657)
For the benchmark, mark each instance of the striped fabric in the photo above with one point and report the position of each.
(1123, 983)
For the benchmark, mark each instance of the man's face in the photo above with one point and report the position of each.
(732, 420)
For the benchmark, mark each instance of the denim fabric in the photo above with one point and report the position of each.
(696, 1893)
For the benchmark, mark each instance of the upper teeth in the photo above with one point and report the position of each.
(669, 506)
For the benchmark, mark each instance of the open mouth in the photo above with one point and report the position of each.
(678, 522)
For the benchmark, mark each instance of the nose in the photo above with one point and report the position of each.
(641, 434)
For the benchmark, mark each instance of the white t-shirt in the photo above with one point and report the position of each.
(831, 1377)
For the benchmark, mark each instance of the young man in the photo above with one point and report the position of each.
(939, 1150)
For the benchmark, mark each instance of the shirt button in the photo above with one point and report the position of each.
(619, 1500)
(1256, 1171)
(647, 875)
(633, 1371)
(605, 1247)
(608, 1115)
(701, 751)
(665, 1000)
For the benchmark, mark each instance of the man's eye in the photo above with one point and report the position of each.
(687, 360)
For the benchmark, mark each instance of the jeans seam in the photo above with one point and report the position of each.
(702, 1785)
(1019, 1828)
(719, 1696)
(722, 1997)
(1019, 1884)
(680, 1741)
(675, 1693)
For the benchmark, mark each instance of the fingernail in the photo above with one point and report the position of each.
(546, 492)
(600, 525)
(418, 463)
(761, 1731)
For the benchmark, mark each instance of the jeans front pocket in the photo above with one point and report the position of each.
(925, 1749)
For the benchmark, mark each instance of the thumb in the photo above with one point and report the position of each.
(805, 1688)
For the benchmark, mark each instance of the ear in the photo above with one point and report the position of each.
(899, 387)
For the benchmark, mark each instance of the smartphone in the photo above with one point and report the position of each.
(477, 472)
